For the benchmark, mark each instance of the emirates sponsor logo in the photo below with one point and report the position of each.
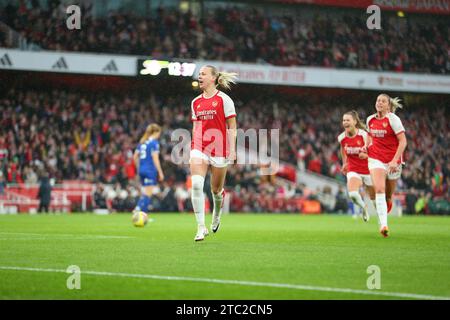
(207, 114)
(378, 133)
(352, 150)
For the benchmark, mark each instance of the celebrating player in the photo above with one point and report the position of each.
(355, 165)
(387, 143)
(213, 143)
(146, 158)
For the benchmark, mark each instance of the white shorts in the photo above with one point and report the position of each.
(366, 179)
(377, 164)
(218, 162)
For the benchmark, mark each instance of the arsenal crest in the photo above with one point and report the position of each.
(385, 124)
(214, 104)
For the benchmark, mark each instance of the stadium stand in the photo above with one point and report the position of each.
(280, 38)
(93, 137)
(88, 149)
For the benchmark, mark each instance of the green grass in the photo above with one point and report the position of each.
(325, 251)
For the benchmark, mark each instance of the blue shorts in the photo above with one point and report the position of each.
(149, 179)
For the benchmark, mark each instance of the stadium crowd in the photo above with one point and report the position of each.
(93, 137)
(332, 41)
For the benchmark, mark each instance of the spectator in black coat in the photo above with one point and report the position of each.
(99, 197)
(341, 201)
(169, 202)
(44, 195)
(411, 199)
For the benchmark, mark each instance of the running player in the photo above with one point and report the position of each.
(213, 144)
(387, 143)
(146, 158)
(354, 160)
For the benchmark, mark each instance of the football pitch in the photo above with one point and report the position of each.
(252, 256)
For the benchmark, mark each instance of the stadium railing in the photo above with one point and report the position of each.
(65, 197)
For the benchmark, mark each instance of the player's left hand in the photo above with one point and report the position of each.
(392, 166)
(231, 158)
(363, 155)
(161, 177)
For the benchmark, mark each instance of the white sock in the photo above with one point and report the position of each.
(374, 204)
(380, 200)
(198, 199)
(218, 198)
(357, 199)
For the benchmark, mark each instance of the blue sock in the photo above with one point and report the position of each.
(143, 203)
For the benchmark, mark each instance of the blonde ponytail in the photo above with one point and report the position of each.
(395, 104)
(151, 129)
(223, 79)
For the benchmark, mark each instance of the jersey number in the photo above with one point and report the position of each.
(143, 153)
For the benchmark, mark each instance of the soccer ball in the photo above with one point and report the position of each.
(139, 219)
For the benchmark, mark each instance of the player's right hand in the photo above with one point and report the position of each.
(231, 157)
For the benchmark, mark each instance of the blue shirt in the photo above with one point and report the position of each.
(146, 150)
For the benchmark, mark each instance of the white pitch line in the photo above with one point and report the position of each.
(242, 283)
(90, 236)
